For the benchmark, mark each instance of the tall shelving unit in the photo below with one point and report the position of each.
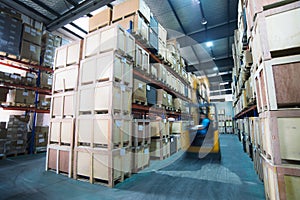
(9, 84)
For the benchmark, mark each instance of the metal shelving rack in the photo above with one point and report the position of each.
(21, 65)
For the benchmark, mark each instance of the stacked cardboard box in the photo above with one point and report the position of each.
(49, 44)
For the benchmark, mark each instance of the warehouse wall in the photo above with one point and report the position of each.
(227, 105)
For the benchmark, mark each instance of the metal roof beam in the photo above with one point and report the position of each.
(77, 12)
(25, 9)
(223, 62)
(41, 4)
(211, 34)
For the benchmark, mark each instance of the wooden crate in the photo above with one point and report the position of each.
(179, 127)
(108, 66)
(142, 59)
(139, 91)
(175, 144)
(277, 83)
(281, 181)
(111, 38)
(160, 129)
(280, 134)
(131, 6)
(141, 132)
(268, 40)
(105, 131)
(162, 34)
(61, 131)
(65, 79)
(161, 72)
(98, 165)
(140, 158)
(255, 134)
(59, 158)
(258, 163)
(100, 20)
(67, 55)
(135, 25)
(162, 97)
(63, 104)
(105, 97)
(159, 149)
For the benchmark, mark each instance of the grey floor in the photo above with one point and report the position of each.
(178, 177)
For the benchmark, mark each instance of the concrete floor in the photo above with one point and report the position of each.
(177, 177)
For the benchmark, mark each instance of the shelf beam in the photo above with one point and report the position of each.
(248, 110)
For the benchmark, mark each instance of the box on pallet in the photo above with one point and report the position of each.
(108, 66)
(162, 97)
(30, 51)
(159, 148)
(139, 91)
(103, 131)
(101, 165)
(61, 131)
(63, 104)
(268, 40)
(129, 7)
(277, 83)
(159, 129)
(31, 34)
(281, 181)
(100, 19)
(162, 34)
(59, 158)
(142, 59)
(67, 55)
(140, 158)
(151, 95)
(280, 133)
(141, 132)
(111, 38)
(117, 99)
(44, 101)
(45, 80)
(136, 25)
(161, 72)
(65, 79)
(21, 96)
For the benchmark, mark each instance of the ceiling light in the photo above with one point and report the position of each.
(224, 83)
(209, 44)
(203, 21)
(215, 68)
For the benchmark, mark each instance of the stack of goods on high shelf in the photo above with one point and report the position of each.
(104, 123)
(160, 134)
(141, 140)
(63, 108)
(271, 34)
(221, 121)
(16, 137)
(49, 44)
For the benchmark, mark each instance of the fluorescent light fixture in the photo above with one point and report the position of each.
(209, 44)
(215, 68)
(203, 21)
(224, 83)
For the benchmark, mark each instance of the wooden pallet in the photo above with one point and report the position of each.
(101, 165)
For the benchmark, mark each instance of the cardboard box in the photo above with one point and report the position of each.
(101, 19)
(30, 51)
(32, 34)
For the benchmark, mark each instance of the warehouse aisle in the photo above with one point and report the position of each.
(177, 177)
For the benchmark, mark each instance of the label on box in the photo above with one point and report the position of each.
(123, 60)
(122, 152)
(25, 93)
(165, 96)
(141, 85)
(123, 88)
(172, 139)
(165, 120)
(32, 48)
(141, 127)
(49, 81)
(146, 151)
(166, 140)
(20, 142)
(41, 140)
(118, 123)
(27, 29)
(148, 87)
(33, 32)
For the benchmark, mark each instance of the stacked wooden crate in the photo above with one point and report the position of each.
(102, 150)
(221, 121)
(141, 140)
(274, 40)
(160, 145)
(63, 108)
(179, 129)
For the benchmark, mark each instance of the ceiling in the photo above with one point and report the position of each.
(182, 19)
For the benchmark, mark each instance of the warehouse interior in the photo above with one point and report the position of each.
(102, 99)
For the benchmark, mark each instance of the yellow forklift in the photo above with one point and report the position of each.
(210, 146)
